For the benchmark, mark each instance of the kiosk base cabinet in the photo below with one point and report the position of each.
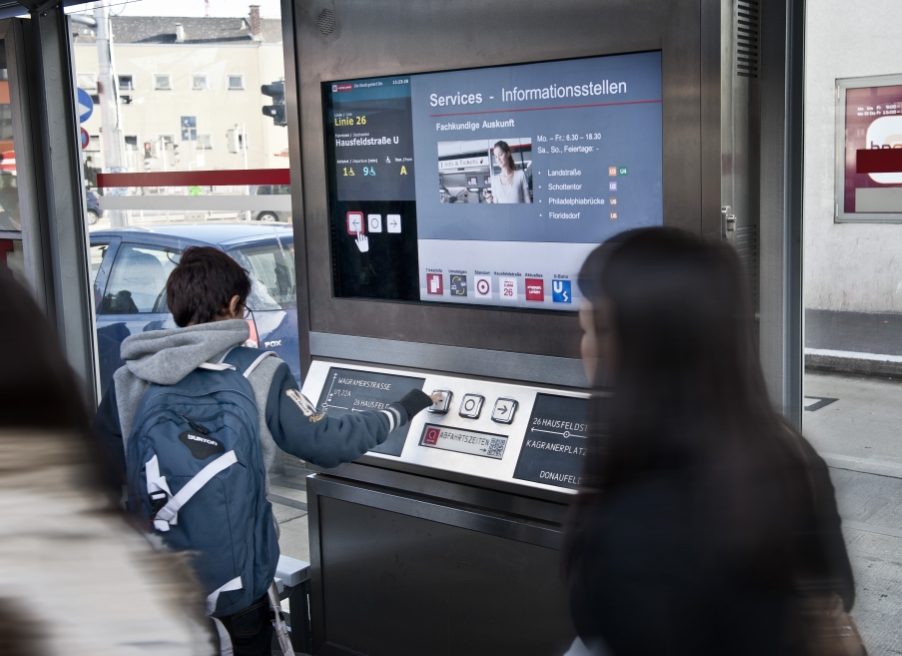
(401, 574)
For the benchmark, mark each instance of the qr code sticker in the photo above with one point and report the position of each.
(496, 447)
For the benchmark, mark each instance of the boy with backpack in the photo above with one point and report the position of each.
(194, 419)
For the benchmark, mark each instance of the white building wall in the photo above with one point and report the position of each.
(850, 267)
(218, 109)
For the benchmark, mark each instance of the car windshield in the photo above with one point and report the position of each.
(272, 275)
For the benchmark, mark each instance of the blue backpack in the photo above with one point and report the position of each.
(196, 476)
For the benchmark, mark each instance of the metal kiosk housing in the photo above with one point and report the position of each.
(432, 553)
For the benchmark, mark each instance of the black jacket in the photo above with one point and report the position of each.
(646, 585)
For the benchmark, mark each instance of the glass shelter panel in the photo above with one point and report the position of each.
(184, 136)
(11, 245)
(852, 282)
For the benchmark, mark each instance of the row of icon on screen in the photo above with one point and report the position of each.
(614, 171)
(507, 288)
(358, 223)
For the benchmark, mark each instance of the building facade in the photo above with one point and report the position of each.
(189, 92)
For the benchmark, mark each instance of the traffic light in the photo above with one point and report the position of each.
(276, 111)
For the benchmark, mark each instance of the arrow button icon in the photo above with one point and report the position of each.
(504, 410)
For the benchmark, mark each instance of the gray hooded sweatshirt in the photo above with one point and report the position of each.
(287, 419)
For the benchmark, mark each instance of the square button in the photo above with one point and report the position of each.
(504, 410)
(355, 222)
(441, 406)
(394, 222)
(374, 222)
(471, 406)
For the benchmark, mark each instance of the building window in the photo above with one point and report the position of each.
(199, 83)
(189, 128)
(126, 83)
(93, 143)
(205, 142)
(126, 99)
(95, 98)
(166, 140)
(162, 82)
(131, 142)
(236, 82)
(87, 81)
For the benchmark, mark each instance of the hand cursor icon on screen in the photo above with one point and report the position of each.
(363, 242)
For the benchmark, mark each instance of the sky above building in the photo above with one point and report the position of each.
(217, 8)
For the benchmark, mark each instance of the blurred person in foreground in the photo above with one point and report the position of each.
(706, 524)
(75, 578)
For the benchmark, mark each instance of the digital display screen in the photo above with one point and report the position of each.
(555, 443)
(474, 443)
(350, 390)
(490, 186)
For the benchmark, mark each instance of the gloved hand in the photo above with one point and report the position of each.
(415, 401)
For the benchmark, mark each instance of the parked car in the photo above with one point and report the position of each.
(272, 215)
(130, 266)
(94, 211)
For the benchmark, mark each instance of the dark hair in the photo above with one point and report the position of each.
(689, 396)
(507, 151)
(200, 288)
(38, 389)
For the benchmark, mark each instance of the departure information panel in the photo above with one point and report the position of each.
(555, 444)
(490, 186)
(351, 390)
(475, 443)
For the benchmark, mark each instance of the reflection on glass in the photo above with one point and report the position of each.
(9, 195)
(182, 95)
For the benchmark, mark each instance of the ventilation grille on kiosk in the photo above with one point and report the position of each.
(326, 22)
(748, 21)
(746, 243)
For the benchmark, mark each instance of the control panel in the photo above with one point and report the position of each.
(502, 431)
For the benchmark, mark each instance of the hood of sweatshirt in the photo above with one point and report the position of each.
(165, 357)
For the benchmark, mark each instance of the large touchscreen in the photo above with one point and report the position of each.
(490, 186)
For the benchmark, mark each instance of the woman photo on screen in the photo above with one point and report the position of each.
(705, 523)
(510, 185)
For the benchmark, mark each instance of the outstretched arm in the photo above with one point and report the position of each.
(300, 430)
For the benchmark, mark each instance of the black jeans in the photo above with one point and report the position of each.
(251, 629)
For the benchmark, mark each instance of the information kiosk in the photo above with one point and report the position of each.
(458, 163)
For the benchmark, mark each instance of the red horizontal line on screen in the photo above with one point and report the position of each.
(196, 178)
(539, 109)
(883, 160)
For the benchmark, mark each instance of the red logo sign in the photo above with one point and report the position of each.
(535, 289)
(431, 436)
(434, 283)
(344, 87)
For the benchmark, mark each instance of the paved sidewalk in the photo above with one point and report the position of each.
(855, 423)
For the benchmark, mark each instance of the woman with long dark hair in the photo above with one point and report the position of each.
(75, 578)
(706, 523)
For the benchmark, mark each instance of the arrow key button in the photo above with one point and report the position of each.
(503, 412)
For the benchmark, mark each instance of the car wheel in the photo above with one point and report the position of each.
(93, 217)
(267, 216)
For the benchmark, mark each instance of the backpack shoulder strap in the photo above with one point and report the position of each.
(245, 359)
